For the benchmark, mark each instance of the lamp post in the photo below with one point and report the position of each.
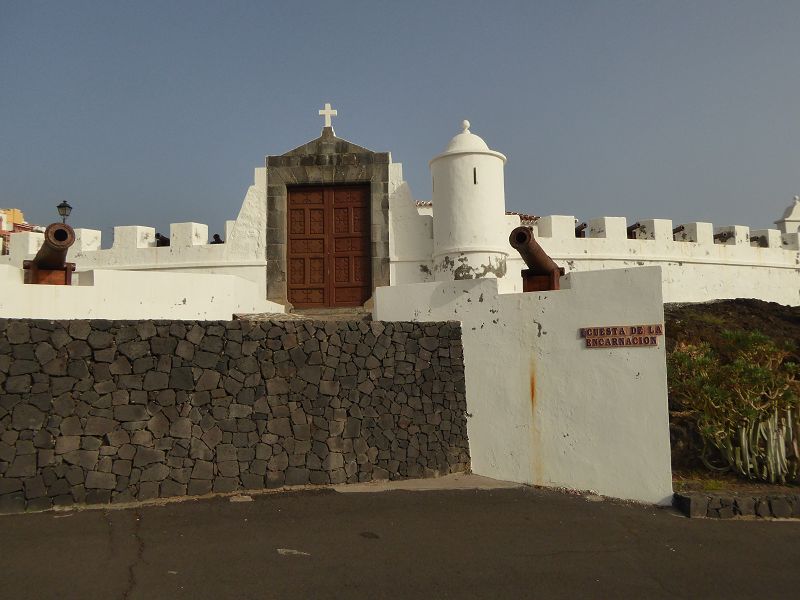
(64, 209)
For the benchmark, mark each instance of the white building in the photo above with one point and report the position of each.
(325, 224)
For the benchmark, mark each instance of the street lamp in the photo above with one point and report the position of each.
(64, 209)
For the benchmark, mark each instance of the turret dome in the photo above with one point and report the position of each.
(467, 142)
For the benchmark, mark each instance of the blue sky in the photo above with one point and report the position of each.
(156, 112)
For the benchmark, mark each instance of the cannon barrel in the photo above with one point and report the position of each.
(521, 239)
(58, 237)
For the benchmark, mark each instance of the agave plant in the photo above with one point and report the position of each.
(745, 404)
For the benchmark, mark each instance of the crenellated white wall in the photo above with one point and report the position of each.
(134, 247)
(694, 266)
(742, 263)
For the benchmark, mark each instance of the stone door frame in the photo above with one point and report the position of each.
(326, 161)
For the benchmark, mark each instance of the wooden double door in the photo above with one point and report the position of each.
(328, 246)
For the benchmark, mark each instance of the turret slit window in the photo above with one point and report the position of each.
(475, 175)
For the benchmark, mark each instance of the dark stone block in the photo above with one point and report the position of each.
(121, 366)
(228, 468)
(98, 496)
(209, 380)
(19, 384)
(338, 476)
(22, 367)
(158, 425)
(726, 512)
(156, 472)
(67, 443)
(203, 470)
(251, 481)
(163, 345)
(59, 487)
(780, 507)
(12, 503)
(118, 438)
(8, 485)
(148, 490)
(121, 467)
(744, 506)
(99, 340)
(181, 378)
(181, 428)
(78, 369)
(18, 332)
(199, 487)
(105, 355)
(171, 488)
(145, 456)
(86, 459)
(26, 416)
(297, 476)
(282, 427)
(63, 500)
(61, 385)
(319, 478)
(127, 382)
(154, 380)
(99, 426)
(274, 479)
(39, 504)
(212, 343)
(226, 452)
(103, 481)
(23, 466)
(79, 329)
(226, 484)
(78, 349)
(134, 349)
(131, 412)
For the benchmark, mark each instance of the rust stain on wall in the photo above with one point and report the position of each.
(536, 455)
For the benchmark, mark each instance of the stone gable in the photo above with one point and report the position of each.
(327, 160)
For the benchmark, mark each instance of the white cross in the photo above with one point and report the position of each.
(327, 112)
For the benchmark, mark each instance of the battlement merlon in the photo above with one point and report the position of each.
(135, 245)
(562, 228)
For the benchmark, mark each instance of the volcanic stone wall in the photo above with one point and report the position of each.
(115, 411)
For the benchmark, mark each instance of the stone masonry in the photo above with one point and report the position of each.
(117, 411)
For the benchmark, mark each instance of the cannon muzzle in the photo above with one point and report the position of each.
(50, 264)
(542, 273)
(58, 237)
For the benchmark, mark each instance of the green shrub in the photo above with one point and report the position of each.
(744, 401)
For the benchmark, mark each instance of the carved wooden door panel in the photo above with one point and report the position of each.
(328, 255)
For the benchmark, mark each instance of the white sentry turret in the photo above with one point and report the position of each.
(469, 210)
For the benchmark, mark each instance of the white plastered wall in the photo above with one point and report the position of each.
(544, 409)
(132, 295)
(410, 234)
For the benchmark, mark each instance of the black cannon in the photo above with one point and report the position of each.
(542, 273)
(50, 265)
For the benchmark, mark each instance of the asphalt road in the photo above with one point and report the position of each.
(503, 543)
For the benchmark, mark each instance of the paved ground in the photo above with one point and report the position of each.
(454, 543)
